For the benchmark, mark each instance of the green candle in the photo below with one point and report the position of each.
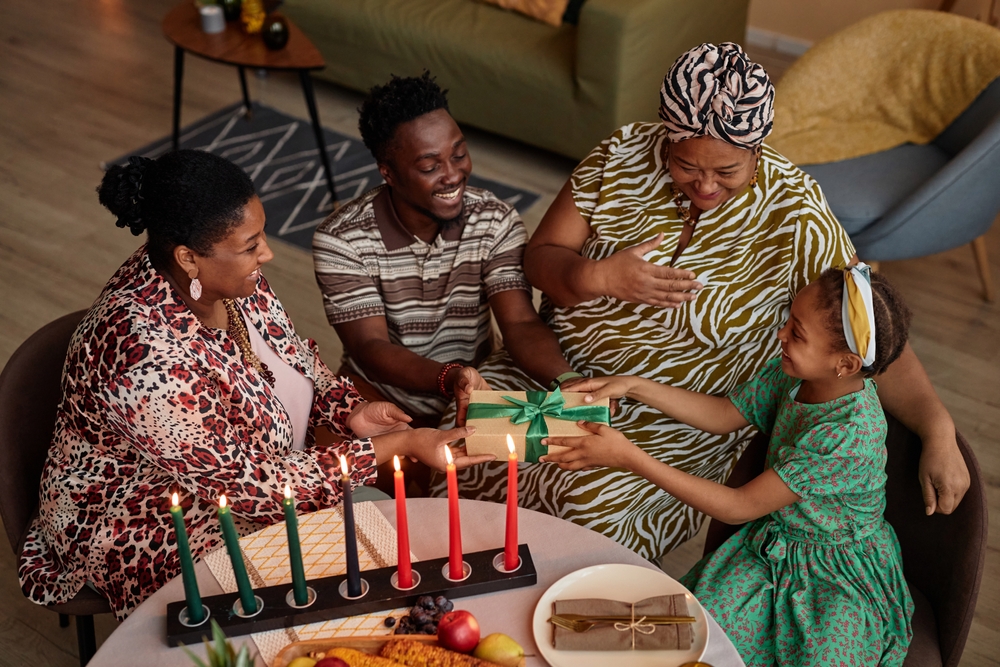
(232, 541)
(196, 613)
(295, 550)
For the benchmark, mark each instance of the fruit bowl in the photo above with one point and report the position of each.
(370, 645)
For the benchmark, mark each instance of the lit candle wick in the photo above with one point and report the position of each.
(510, 444)
(395, 462)
(343, 464)
(288, 492)
(222, 500)
(447, 455)
(175, 499)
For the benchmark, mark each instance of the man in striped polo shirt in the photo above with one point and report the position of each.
(411, 269)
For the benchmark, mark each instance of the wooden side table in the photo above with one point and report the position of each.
(182, 27)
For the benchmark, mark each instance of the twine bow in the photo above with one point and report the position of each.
(636, 626)
(534, 410)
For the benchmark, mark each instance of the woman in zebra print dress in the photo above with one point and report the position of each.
(673, 253)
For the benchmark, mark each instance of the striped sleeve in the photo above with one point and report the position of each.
(820, 240)
(503, 267)
(349, 291)
(587, 179)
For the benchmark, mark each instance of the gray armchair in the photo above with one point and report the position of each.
(912, 201)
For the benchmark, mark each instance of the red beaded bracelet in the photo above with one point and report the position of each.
(442, 374)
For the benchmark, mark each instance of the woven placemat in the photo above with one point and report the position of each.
(322, 537)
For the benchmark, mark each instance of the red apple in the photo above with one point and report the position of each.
(458, 631)
(331, 662)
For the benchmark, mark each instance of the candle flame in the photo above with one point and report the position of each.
(343, 465)
(175, 499)
(222, 500)
(395, 462)
(288, 492)
(510, 444)
(447, 455)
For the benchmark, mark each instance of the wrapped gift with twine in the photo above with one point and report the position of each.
(528, 416)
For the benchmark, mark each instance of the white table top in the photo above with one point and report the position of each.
(557, 547)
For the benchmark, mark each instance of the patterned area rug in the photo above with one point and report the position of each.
(279, 152)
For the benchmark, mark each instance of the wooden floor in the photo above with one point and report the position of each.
(83, 81)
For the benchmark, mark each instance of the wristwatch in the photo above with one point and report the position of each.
(568, 375)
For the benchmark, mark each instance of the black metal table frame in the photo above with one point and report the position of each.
(307, 90)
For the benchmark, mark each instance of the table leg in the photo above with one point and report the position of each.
(178, 78)
(248, 110)
(307, 90)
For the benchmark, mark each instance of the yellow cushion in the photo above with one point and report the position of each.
(548, 11)
(897, 77)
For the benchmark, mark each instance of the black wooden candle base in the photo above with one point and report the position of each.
(277, 613)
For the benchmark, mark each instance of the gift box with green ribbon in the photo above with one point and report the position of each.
(528, 416)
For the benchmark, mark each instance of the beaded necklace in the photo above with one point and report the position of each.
(238, 330)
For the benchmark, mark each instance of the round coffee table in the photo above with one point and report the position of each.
(182, 27)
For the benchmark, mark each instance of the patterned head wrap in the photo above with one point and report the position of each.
(858, 314)
(716, 91)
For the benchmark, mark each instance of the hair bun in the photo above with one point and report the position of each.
(121, 192)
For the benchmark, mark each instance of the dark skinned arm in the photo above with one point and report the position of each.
(906, 392)
(367, 342)
(532, 345)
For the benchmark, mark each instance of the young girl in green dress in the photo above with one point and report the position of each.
(815, 577)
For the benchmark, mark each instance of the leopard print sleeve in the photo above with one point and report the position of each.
(214, 438)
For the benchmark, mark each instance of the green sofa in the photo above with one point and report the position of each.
(563, 89)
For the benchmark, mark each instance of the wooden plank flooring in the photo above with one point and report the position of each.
(84, 81)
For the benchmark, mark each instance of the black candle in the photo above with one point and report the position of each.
(350, 536)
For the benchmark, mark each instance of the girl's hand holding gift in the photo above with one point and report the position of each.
(615, 387)
(607, 448)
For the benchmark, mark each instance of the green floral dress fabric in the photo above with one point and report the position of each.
(819, 582)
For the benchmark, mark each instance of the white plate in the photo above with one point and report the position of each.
(627, 583)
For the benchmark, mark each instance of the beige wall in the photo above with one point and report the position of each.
(812, 20)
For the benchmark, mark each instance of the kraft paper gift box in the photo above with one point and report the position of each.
(527, 417)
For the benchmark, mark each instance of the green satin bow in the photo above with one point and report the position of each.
(540, 404)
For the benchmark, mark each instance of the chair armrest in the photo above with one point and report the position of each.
(624, 47)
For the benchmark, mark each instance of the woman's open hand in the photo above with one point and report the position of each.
(606, 447)
(427, 446)
(626, 276)
(371, 419)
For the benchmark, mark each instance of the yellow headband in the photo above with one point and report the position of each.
(858, 313)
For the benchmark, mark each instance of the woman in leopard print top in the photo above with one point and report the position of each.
(159, 396)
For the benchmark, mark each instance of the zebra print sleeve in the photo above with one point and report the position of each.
(820, 241)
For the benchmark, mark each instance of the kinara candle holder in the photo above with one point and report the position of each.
(276, 609)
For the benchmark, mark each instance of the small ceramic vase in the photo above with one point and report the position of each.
(231, 9)
(275, 32)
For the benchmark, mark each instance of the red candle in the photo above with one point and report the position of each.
(456, 570)
(510, 557)
(404, 573)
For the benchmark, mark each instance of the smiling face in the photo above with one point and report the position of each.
(808, 349)
(710, 171)
(427, 169)
(232, 269)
